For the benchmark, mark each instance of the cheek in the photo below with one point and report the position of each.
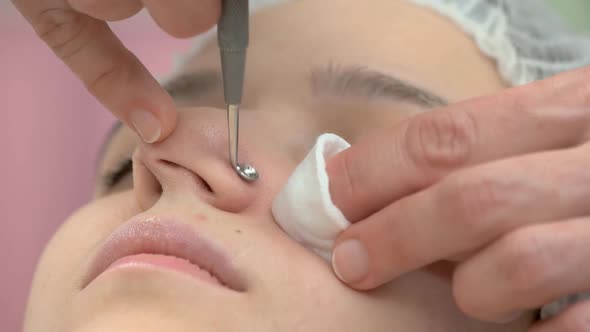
(302, 289)
(273, 176)
(66, 257)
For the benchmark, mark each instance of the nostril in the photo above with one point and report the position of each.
(199, 181)
(159, 189)
(147, 187)
(207, 186)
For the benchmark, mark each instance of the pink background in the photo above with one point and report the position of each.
(50, 133)
(51, 129)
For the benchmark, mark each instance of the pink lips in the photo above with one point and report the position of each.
(165, 244)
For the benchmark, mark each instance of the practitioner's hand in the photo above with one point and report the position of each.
(77, 32)
(501, 185)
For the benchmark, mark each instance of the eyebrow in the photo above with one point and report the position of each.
(331, 80)
(362, 82)
(193, 84)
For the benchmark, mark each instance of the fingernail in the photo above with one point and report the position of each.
(509, 317)
(146, 125)
(350, 261)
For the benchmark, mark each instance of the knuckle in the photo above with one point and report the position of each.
(347, 185)
(442, 139)
(473, 201)
(346, 176)
(62, 30)
(401, 253)
(101, 85)
(69, 33)
(530, 261)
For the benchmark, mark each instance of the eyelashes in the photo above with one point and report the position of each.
(112, 178)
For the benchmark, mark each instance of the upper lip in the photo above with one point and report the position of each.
(154, 235)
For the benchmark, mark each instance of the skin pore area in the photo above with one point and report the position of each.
(188, 178)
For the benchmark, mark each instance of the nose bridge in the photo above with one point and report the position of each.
(193, 163)
(206, 128)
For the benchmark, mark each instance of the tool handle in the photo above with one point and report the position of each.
(232, 37)
(232, 34)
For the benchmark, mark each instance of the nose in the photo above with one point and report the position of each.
(193, 163)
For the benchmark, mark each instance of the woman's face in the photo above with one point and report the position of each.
(303, 79)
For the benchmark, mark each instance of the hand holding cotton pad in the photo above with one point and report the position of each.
(304, 208)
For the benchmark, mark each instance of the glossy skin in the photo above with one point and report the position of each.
(289, 288)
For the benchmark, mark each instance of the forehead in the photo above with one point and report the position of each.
(410, 41)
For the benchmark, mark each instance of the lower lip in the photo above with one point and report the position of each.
(166, 262)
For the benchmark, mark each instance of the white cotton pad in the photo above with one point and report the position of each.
(304, 208)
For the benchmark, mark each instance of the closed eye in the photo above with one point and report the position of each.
(114, 177)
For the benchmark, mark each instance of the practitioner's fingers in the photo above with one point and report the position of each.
(184, 18)
(464, 212)
(107, 10)
(109, 71)
(526, 269)
(393, 163)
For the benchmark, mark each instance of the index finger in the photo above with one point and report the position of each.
(544, 115)
(109, 71)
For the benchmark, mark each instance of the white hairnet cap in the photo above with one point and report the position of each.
(526, 38)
